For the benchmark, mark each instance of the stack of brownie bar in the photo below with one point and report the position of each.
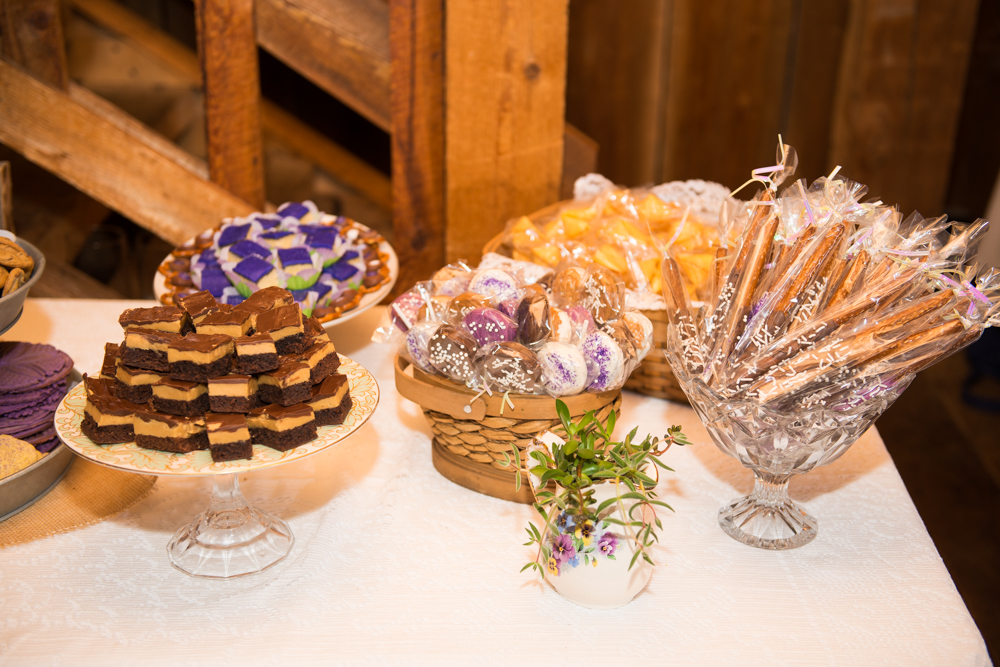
(212, 376)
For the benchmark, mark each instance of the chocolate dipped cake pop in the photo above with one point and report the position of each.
(451, 351)
(509, 367)
(567, 287)
(564, 370)
(533, 318)
(603, 294)
(605, 362)
(641, 329)
(463, 304)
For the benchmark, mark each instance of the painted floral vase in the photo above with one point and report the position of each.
(589, 564)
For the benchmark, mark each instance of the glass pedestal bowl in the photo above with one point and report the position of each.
(776, 444)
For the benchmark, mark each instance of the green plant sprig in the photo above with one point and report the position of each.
(589, 456)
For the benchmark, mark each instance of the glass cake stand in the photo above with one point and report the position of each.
(231, 538)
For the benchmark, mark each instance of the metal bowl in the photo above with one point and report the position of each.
(11, 305)
(23, 488)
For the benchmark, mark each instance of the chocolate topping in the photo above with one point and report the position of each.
(225, 421)
(145, 317)
(198, 304)
(280, 318)
(201, 342)
(331, 385)
(278, 411)
(268, 299)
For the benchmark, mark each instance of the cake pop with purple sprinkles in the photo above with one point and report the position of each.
(494, 284)
(564, 370)
(605, 362)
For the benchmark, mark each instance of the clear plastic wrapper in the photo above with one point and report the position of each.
(511, 336)
(829, 302)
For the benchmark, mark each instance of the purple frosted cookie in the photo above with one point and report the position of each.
(605, 362)
(450, 351)
(27, 366)
(510, 367)
(564, 370)
(494, 284)
(487, 326)
(533, 318)
(417, 339)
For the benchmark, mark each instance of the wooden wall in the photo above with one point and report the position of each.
(676, 89)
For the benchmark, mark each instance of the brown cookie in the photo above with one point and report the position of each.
(3, 276)
(13, 256)
(14, 280)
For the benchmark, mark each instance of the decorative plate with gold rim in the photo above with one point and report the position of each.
(129, 456)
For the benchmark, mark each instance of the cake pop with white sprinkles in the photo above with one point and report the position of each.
(488, 325)
(450, 351)
(509, 367)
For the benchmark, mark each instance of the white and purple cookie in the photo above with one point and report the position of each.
(494, 284)
(564, 370)
(417, 339)
(450, 351)
(509, 367)
(488, 325)
(605, 362)
(641, 329)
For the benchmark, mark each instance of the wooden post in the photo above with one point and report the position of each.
(33, 38)
(418, 209)
(228, 49)
(506, 85)
(6, 199)
(899, 95)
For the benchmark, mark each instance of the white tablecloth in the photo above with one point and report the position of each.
(392, 563)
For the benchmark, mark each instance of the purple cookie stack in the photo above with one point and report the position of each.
(33, 380)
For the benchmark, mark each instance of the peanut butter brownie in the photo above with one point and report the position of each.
(197, 357)
(331, 400)
(288, 384)
(280, 427)
(106, 418)
(233, 393)
(147, 349)
(161, 318)
(228, 437)
(284, 323)
(135, 384)
(178, 397)
(255, 354)
(170, 433)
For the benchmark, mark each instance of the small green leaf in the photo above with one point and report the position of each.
(563, 411)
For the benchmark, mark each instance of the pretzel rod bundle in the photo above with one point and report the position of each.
(829, 302)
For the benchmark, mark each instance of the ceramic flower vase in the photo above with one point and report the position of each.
(590, 563)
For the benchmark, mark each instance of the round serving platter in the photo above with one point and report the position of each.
(368, 299)
(130, 457)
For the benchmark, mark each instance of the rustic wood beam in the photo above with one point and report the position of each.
(342, 165)
(899, 95)
(418, 212)
(107, 155)
(340, 45)
(506, 84)
(6, 199)
(33, 38)
(228, 52)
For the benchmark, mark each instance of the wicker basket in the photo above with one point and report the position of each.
(473, 436)
(653, 376)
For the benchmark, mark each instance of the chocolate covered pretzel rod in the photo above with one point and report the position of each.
(849, 279)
